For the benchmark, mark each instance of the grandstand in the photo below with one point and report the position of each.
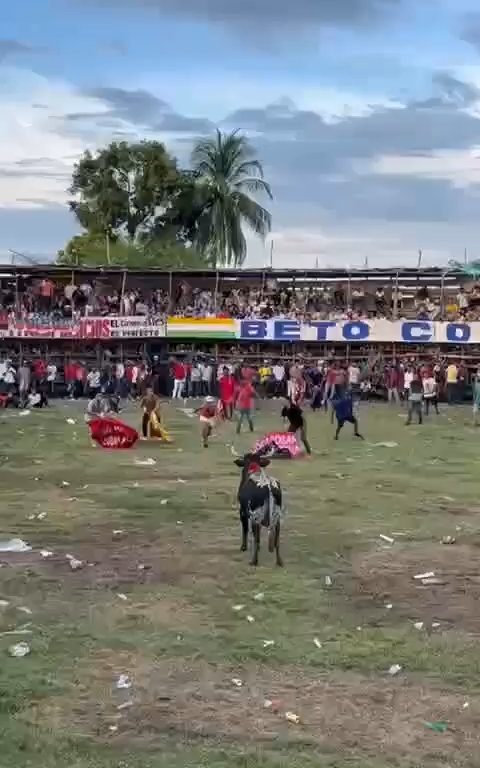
(60, 312)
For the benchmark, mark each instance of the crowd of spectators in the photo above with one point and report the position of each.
(45, 301)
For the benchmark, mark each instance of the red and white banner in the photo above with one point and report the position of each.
(94, 328)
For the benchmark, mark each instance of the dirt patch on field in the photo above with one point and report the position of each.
(119, 560)
(387, 576)
(195, 700)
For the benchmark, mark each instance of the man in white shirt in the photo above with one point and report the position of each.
(93, 382)
(278, 371)
(409, 376)
(430, 393)
(51, 377)
(206, 370)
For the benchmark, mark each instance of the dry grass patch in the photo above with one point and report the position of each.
(347, 712)
(387, 576)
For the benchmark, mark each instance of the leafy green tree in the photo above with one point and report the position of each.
(228, 179)
(120, 189)
(90, 250)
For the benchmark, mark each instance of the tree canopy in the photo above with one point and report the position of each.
(138, 209)
(92, 250)
(229, 176)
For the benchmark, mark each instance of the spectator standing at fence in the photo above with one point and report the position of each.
(415, 397)
(452, 380)
(409, 376)
(393, 384)
(279, 379)
(93, 382)
(430, 392)
(354, 376)
(24, 380)
(476, 396)
(462, 382)
(179, 375)
(207, 373)
(51, 377)
(196, 380)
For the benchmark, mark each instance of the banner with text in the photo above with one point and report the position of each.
(360, 331)
(88, 328)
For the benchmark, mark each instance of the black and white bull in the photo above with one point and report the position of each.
(260, 500)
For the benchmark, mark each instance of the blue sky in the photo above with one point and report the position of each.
(365, 113)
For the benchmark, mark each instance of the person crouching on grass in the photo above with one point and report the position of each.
(342, 404)
(152, 426)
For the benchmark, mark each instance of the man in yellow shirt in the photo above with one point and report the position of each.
(452, 383)
(265, 375)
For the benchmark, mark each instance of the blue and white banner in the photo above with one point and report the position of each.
(360, 331)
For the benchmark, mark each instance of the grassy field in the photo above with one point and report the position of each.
(163, 578)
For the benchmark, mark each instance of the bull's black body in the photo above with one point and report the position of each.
(259, 504)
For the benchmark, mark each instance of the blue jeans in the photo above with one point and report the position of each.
(244, 413)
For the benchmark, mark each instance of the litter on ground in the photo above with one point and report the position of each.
(19, 650)
(317, 642)
(388, 539)
(388, 444)
(124, 682)
(394, 669)
(238, 607)
(268, 643)
(75, 564)
(292, 717)
(237, 682)
(14, 545)
(250, 619)
(427, 575)
(145, 462)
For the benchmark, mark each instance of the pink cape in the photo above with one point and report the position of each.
(282, 440)
(112, 433)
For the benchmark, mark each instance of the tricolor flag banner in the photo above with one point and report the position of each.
(205, 327)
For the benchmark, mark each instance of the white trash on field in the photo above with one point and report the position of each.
(394, 669)
(292, 717)
(124, 682)
(427, 575)
(317, 642)
(75, 564)
(237, 682)
(388, 539)
(19, 650)
(145, 462)
(15, 545)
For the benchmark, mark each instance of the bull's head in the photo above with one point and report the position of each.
(249, 462)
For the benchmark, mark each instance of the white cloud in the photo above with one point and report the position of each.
(460, 167)
(36, 158)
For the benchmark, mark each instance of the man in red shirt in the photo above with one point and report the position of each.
(179, 376)
(245, 402)
(227, 392)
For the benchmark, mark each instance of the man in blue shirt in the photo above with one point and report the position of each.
(343, 407)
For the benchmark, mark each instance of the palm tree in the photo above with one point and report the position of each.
(228, 176)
